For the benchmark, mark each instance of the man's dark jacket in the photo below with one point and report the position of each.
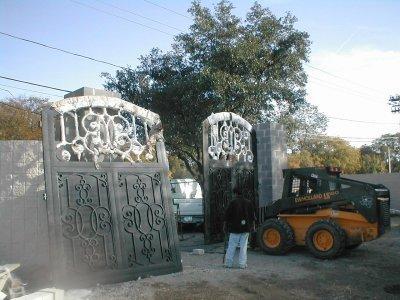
(239, 216)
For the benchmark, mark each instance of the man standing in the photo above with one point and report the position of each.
(239, 221)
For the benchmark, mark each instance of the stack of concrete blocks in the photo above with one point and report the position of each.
(271, 159)
(23, 215)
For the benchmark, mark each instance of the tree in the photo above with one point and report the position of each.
(319, 152)
(252, 67)
(381, 145)
(372, 163)
(302, 159)
(20, 118)
(303, 124)
(177, 169)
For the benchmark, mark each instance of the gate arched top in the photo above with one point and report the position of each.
(102, 128)
(75, 103)
(225, 116)
(228, 137)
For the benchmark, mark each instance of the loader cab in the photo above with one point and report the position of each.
(302, 182)
(305, 184)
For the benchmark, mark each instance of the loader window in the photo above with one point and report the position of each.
(295, 187)
(313, 185)
(333, 185)
(344, 186)
(304, 186)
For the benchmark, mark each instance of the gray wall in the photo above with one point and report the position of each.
(390, 180)
(23, 215)
(271, 157)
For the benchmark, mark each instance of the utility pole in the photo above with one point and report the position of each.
(394, 102)
(390, 163)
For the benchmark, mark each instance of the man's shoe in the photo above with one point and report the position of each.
(243, 267)
(227, 267)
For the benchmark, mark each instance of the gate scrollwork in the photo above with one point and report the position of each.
(105, 129)
(230, 135)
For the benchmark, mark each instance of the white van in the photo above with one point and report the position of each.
(188, 201)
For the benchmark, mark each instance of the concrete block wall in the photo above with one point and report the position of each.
(271, 158)
(23, 215)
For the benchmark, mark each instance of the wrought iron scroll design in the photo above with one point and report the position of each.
(229, 137)
(245, 181)
(144, 219)
(94, 130)
(220, 195)
(86, 220)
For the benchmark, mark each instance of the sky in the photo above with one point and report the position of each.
(353, 69)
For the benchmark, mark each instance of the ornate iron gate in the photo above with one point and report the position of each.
(228, 161)
(109, 203)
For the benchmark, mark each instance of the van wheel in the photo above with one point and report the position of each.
(275, 237)
(326, 239)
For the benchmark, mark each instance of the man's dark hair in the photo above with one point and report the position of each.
(237, 191)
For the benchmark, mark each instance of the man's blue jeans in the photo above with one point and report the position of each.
(235, 240)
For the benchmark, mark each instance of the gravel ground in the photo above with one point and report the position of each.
(370, 272)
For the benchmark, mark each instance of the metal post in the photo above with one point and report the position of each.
(390, 163)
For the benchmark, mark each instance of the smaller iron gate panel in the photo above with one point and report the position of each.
(243, 177)
(144, 217)
(87, 221)
(222, 182)
(220, 196)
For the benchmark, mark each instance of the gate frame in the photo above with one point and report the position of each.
(209, 164)
(52, 165)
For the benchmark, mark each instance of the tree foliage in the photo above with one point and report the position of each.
(20, 118)
(372, 163)
(177, 168)
(381, 145)
(327, 152)
(305, 123)
(333, 151)
(253, 67)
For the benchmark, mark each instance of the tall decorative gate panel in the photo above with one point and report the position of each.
(228, 162)
(109, 203)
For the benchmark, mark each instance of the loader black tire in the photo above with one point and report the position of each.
(282, 243)
(331, 233)
(353, 246)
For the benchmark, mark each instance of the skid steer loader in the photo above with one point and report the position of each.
(325, 212)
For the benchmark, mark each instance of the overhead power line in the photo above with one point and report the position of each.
(18, 88)
(120, 17)
(348, 138)
(138, 15)
(361, 121)
(31, 83)
(61, 50)
(168, 9)
(8, 92)
(332, 85)
(365, 138)
(362, 98)
(343, 78)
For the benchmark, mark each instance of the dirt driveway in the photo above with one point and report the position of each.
(372, 271)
